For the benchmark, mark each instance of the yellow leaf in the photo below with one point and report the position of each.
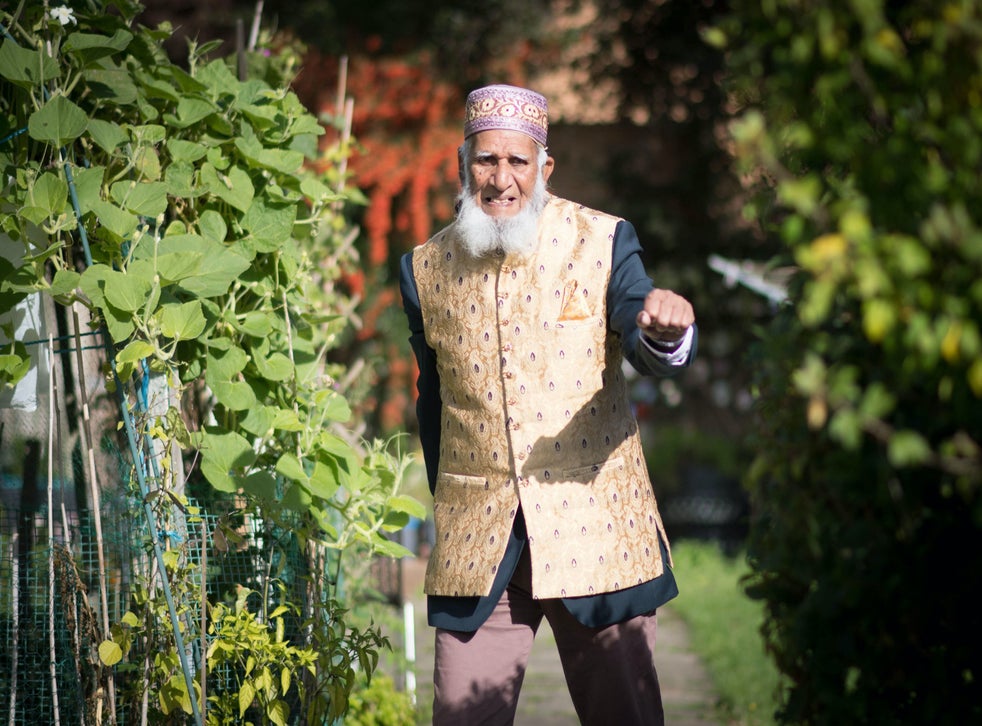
(879, 317)
(951, 343)
(818, 412)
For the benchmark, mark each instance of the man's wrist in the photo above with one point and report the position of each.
(673, 352)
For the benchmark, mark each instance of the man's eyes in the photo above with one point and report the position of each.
(493, 161)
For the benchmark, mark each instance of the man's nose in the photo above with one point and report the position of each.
(501, 176)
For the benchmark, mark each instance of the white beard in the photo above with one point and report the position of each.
(482, 234)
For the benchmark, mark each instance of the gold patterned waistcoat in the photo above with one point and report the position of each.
(535, 413)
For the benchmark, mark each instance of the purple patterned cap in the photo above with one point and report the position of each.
(507, 107)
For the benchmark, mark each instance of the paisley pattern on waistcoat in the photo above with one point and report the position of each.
(535, 413)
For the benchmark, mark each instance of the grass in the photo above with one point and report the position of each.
(724, 628)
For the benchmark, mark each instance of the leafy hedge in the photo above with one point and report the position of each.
(862, 123)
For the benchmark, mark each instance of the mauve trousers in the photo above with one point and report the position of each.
(610, 671)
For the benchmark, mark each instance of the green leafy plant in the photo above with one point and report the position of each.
(178, 207)
(861, 122)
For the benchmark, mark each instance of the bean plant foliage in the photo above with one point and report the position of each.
(862, 123)
(212, 247)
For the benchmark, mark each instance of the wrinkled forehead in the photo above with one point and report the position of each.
(502, 144)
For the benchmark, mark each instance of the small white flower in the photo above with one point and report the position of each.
(63, 15)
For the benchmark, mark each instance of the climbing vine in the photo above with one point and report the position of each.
(182, 208)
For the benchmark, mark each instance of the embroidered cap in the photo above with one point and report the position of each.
(507, 107)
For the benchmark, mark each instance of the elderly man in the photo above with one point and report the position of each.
(520, 313)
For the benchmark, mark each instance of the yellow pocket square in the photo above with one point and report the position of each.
(574, 306)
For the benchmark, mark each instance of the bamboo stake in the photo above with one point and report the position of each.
(204, 615)
(254, 30)
(76, 630)
(86, 431)
(52, 655)
(15, 585)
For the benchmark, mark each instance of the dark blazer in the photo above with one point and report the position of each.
(629, 284)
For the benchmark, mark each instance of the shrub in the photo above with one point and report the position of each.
(863, 125)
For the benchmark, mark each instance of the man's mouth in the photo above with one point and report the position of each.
(499, 201)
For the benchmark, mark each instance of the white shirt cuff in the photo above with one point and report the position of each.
(674, 357)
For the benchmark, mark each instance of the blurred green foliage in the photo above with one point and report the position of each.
(862, 123)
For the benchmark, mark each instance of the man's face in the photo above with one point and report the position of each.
(504, 167)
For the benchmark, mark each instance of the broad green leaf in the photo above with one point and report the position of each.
(182, 321)
(148, 134)
(117, 221)
(255, 323)
(407, 504)
(91, 283)
(50, 193)
(234, 395)
(13, 366)
(26, 68)
(109, 136)
(335, 445)
(908, 448)
(175, 267)
(223, 365)
(126, 292)
(110, 653)
(226, 449)
(289, 466)
(179, 180)
(217, 77)
(119, 323)
(182, 150)
(112, 85)
(296, 497)
(64, 282)
(146, 163)
(57, 122)
(218, 477)
(189, 112)
(269, 224)
(156, 87)
(258, 420)
(135, 351)
(275, 367)
(315, 189)
(286, 420)
(147, 199)
(235, 188)
(279, 160)
(213, 226)
(389, 548)
(335, 405)
(260, 484)
(324, 480)
(216, 273)
(394, 521)
(88, 185)
(90, 47)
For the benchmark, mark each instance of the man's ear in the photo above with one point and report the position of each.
(547, 168)
(460, 165)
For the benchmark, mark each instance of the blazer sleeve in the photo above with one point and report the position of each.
(626, 291)
(428, 403)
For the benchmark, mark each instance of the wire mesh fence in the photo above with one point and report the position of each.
(50, 670)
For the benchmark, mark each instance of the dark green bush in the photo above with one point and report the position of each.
(863, 122)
